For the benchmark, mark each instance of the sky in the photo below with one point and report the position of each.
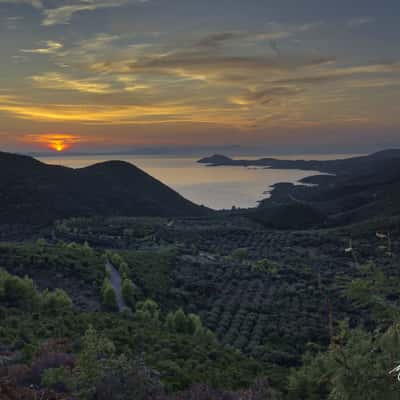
(262, 76)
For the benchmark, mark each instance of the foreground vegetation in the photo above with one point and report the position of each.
(212, 310)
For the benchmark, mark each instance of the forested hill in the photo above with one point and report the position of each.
(349, 166)
(34, 192)
(334, 200)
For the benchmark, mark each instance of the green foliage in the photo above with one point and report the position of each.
(71, 260)
(191, 358)
(180, 322)
(96, 352)
(148, 310)
(373, 290)
(56, 302)
(129, 293)
(357, 364)
(151, 271)
(266, 265)
(108, 296)
(356, 367)
(17, 292)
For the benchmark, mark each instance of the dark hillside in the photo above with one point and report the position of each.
(33, 192)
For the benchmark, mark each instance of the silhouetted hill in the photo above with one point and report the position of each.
(370, 192)
(217, 159)
(349, 166)
(34, 192)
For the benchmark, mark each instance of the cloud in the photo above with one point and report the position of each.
(338, 73)
(207, 66)
(357, 22)
(64, 13)
(266, 95)
(119, 114)
(49, 47)
(54, 80)
(276, 31)
(114, 115)
(32, 3)
(96, 43)
(273, 32)
(130, 84)
(216, 39)
(55, 141)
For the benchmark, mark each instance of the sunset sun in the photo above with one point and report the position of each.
(58, 145)
(55, 141)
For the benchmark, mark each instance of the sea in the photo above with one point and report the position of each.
(215, 187)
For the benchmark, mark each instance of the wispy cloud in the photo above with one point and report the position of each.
(57, 81)
(273, 31)
(33, 3)
(266, 95)
(118, 114)
(357, 22)
(208, 67)
(216, 39)
(64, 13)
(47, 47)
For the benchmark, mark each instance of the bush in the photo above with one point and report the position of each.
(179, 322)
(129, 293)
(148, 310)
(17, 292)
(55, 303)
(108, 296)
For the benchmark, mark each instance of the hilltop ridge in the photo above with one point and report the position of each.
(34, 192)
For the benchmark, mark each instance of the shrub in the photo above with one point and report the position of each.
(129, 293)
(108, 296)
(180, 322)
(56, 302)
(17, 292)
(148, 310)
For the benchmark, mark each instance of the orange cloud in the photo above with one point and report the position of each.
(55, 141)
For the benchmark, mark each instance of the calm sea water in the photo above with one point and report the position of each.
(218, 188)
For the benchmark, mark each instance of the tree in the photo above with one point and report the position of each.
(180, 322)
(102, 374)
(356, 367)
(89, 369)
(357, 363)
(18, 292)
(108, 296)
(129, 293)
(148, 310)
(56, 302)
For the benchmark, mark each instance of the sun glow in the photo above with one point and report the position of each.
(58, 145)
(57, 142)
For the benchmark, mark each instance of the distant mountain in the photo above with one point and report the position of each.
(34, 192)
(349, 166)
